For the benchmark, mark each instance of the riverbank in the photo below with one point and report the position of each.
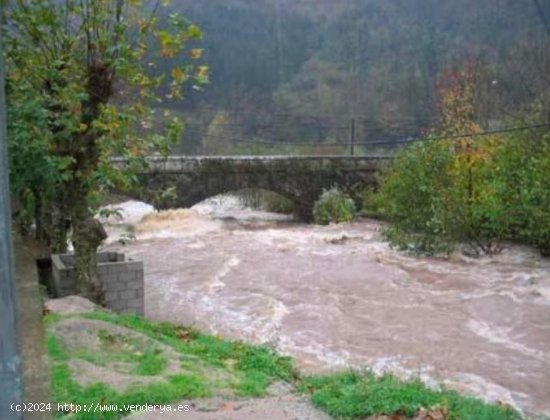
(102, 361)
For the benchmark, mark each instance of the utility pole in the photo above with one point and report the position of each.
(10, 361)
(352, 137)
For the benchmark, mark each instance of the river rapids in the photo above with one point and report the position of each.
(339, 297)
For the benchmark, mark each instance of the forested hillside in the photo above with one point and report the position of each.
(299, 71)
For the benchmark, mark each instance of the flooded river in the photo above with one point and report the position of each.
(336, 297)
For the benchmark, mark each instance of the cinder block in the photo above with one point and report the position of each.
(110, 301)
(134, 265)
(111, 294)
(122, 280)
(108, 277)
(131, 311)
(112, 269)
(109, 269)
(113, 285)
(127, 294)
(102, 269)
(137, 311)
(134, 303)
(135, 284)
(127, 276)
(123, 266)
(117, 305)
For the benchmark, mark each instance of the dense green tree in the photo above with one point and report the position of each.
(475, 191)
(82, 80)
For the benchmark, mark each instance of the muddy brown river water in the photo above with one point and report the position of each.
(337, 297)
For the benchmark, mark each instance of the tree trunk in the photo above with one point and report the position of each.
(52, 222)
(40, 232)
(88, 234)
(55, 221)
(59, 229)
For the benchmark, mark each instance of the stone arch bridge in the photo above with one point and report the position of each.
(298, 178)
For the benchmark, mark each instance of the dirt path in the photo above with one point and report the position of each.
(287, 407)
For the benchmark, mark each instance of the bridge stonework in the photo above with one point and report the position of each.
(298, 178)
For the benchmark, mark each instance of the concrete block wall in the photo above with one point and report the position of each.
(122, 280)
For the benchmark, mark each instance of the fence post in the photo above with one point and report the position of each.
(10, 360)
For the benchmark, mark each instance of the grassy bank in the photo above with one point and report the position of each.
(361, 395)
(210, 366)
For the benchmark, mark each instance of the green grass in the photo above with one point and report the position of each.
(117, 347)
(150, 363)
(215, 364)
(360, 395)
(254, 363)
(148, 360)
(65, 389)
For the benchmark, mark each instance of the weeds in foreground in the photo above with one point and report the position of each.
(210, 365)
(361, 395)
(251, 370)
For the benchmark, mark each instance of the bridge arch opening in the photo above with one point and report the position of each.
(252, 202)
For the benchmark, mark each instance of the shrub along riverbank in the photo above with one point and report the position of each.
(474, 191)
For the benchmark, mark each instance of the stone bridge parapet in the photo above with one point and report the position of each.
(299, 178)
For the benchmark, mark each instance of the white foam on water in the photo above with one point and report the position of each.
(270, 333)
(196, 245)
(488, 391)
(217, 284)
(174, 224)
(119, 225)
(500, 336)
(394, 365)
(544, 292)
(130, 212)
(219, 205)
(230, 206)
(334, 359)
(313, 239)
(139, 221)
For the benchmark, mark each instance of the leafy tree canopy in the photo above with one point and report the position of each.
(84, 85)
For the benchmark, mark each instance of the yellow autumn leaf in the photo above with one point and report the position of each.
(178, 75)
(196, 53)
(167, 52)
(142, 46)
(202, 71)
